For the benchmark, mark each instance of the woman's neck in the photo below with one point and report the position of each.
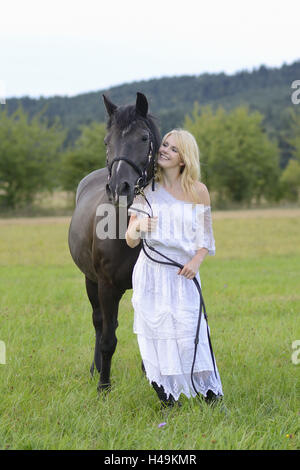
(171, 180)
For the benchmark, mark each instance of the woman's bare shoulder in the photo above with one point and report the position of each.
(203, 193)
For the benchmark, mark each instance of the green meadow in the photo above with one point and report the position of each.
(252, 294)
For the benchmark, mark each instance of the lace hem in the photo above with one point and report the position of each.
(181, 384)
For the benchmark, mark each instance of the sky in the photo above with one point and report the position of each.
(70, 47)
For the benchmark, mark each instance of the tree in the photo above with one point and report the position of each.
(290, 177)
(87, 154)
(29, 150)
(237, 159)
(294, 141)
(290, 180)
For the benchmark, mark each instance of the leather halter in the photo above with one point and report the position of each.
(142, 181)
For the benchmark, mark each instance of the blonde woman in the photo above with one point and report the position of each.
(165, 300)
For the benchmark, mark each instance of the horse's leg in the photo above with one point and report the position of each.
(109, 300)
(92, 292)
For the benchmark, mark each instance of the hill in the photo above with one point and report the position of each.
(265, 89)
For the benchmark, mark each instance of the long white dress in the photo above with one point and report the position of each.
(166, 305)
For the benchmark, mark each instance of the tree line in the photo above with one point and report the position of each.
(239, 161)
(264, 89)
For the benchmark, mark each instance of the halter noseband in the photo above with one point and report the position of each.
(143, 174)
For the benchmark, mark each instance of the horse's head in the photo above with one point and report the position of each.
(132, 142)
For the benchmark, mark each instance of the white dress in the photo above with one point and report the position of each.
(166, 305)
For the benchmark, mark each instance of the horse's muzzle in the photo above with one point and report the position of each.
(123, 191)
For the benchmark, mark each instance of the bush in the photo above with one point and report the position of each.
(237, 159)
(290, 181)
(87, 155)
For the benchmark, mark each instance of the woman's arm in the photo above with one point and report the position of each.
(133, 232)
(191, 268)
(200, 256)
(136, 226)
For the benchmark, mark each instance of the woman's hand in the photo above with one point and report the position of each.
(190, 269)
(136, 226)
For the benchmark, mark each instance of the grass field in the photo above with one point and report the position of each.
(252, 293)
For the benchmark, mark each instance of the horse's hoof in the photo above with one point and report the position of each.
(104, 388)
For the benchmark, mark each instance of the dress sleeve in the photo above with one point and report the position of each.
(205, 235)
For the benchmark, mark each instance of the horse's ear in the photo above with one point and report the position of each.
(110, 107)
(141, 104)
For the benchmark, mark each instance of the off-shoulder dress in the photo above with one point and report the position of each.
(166, 305)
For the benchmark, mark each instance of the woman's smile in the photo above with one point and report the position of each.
(169, 152)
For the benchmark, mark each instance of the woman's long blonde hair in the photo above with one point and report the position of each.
(189, 153)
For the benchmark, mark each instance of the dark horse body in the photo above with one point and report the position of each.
(132, 143)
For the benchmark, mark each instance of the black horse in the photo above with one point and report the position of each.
(132, 142)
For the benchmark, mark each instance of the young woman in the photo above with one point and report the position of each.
(165, 299)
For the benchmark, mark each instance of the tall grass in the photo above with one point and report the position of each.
(49, 401)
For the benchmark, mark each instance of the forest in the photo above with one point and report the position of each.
(67, 132)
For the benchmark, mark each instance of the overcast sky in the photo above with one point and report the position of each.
(67, 47)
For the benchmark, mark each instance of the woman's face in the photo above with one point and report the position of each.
(168, 154)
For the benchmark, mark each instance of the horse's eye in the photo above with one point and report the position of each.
(144, 138)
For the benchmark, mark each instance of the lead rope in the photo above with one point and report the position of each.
(175, 263)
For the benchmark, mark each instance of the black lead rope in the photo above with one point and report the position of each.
(202, 305)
